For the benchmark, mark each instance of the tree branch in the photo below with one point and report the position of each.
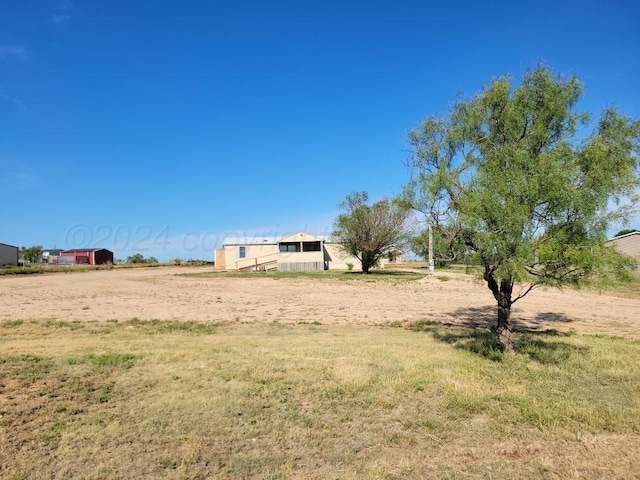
(523, 294)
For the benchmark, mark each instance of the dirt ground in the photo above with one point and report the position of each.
(158, 293)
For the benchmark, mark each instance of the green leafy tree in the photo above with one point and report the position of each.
(368, 232)
(135, 258)
(139, 258)
(448, 245)
(32, 254)
(506, 174)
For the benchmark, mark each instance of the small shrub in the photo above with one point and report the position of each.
(11, 323)
(394, 324)
(72, 325)
(349, 266)
(420, 324)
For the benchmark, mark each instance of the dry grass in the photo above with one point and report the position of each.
(42, 268)
(163, 399)
(623, 289)
(374, 276)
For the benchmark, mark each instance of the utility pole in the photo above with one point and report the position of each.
(431, 263)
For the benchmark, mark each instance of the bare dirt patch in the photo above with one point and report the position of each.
(159, 293)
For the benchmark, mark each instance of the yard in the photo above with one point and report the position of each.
(185, 373)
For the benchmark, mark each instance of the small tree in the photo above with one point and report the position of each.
(32, 254)
(135, 258)
(505, 174)
(369, 231)
(139, 258)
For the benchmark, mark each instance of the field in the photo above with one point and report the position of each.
(186, 373)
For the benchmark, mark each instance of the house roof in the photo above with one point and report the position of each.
(630, 234)
(250, 241)
(84, 250)
(7, 245)
(296, 237)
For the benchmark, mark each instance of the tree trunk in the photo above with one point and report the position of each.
(503, 328)
(366, 261)
(502, 293)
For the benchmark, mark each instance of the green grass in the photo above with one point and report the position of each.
(151, 399)
(374, 275)
(25, 270)
(38, 269)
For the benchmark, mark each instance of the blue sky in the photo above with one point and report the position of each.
(161, 127)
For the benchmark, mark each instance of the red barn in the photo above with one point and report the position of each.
(88, 256)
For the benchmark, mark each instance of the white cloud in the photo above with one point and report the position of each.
(65, 5)
(19, 181)
(17, 103)
(18, 176)
(61, 18)
(17, 52)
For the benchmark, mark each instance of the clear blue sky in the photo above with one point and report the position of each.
(161, 126)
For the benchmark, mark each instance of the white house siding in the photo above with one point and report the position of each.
(254, 253)
(264, 253)
(338, 258)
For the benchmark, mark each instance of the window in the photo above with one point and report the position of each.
(242, 252)
(286, 247)
(311, 247)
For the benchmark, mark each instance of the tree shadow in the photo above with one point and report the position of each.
(384, 273)
(473, 333)
(546, 349)
(474, 317)
(484, 317)
(540, 320)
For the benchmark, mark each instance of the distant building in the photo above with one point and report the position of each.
(629, 244)
(51, 255)
(8, 254)
(298, 252)
(86, 256)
